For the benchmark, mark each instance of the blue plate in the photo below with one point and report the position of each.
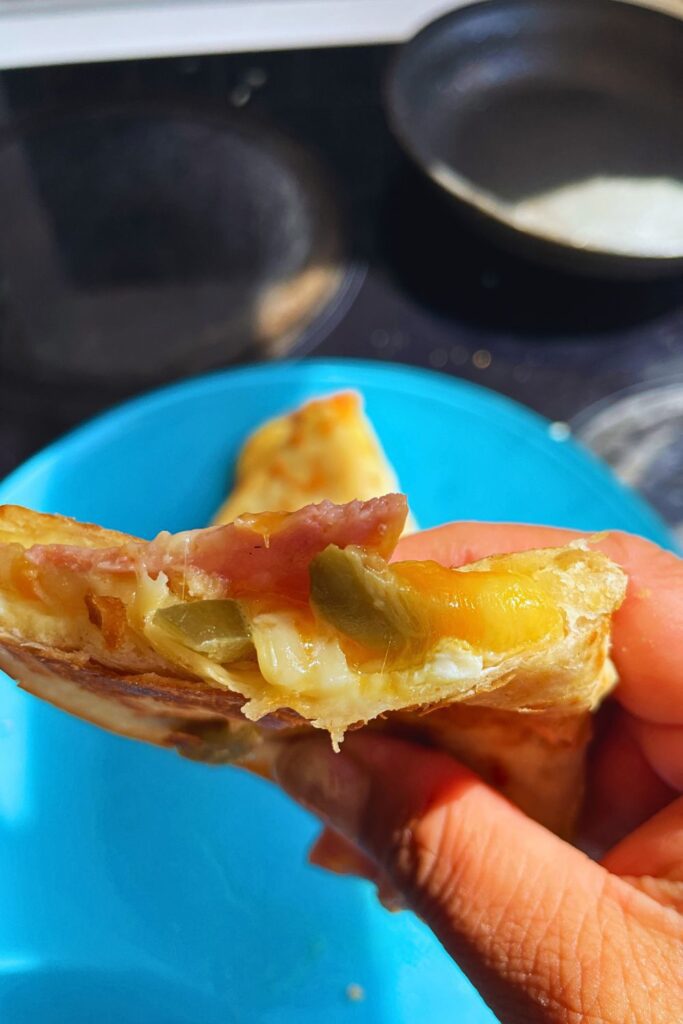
(138, 887)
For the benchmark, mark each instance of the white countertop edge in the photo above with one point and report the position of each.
(75, 34)
(47, 32)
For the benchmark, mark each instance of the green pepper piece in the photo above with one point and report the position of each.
(214, 628)
(360, 596)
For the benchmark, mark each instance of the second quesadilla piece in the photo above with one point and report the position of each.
(324, 450)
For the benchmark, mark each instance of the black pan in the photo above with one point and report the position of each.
(501, 100)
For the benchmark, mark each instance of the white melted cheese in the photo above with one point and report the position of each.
(312, 676)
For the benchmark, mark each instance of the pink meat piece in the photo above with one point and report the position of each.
(248, 561)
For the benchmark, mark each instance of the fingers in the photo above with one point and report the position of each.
(334, 853)
(527, 916)
(663, 747)
(624, 789)
(651, 858)
(648, 628)
(460, 543)
(656, 848)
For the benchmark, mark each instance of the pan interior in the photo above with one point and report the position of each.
(520, 99)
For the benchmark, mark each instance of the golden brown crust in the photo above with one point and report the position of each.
(200, 722)
(26, 527)
(149, 706)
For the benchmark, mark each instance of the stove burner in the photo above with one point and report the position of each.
(425, 288)
(139, 247)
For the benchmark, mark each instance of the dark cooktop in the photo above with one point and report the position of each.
(164, 217)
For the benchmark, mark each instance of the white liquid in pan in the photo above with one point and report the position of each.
(635, 216)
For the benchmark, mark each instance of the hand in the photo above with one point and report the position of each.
(545, 933)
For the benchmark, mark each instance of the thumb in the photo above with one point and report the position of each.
(538, 927)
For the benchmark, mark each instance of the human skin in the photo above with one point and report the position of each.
(546, 933)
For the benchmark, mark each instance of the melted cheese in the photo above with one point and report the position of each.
(308, 672)
(300, 664)
(314, 677)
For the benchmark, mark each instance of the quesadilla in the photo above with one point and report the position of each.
(326, 449)
(227, 641)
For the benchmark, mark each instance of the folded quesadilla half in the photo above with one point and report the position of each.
(226, 641)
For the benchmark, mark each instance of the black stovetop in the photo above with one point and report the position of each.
(414, 284)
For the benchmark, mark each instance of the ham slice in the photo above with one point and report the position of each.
(257, 555)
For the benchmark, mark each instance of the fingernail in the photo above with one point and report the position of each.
(390, 898)
(331, 785)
